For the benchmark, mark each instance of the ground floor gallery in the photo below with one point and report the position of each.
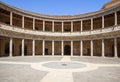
(26, 47)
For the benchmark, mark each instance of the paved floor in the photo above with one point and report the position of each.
(59, 69)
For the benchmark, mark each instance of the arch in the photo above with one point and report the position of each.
(67, 50)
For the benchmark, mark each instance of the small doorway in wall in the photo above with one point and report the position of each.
(67, 50)
(46, 51)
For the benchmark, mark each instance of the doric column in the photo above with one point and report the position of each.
(91, 47)
(11, 17)
(115, 18)
(23, 22)
(62, 46)
(103, 48)
(91, 23)
(33, 23)
(115, 47)
(71, 48)
(81, 25)
(11, 47)
(43, 46)
(81, 47)
(33, 48)
(102, 21)
(71, 26)
(53, 48)
(43, 25)
(62, 26)
(53, 25)
(23, 42)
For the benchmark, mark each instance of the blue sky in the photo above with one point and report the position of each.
(58, 7)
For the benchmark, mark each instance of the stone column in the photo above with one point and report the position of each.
(102, 21)
(71, 48)
(53, 25)
(103, 48)
(23, 42)
(81, 47)
(62, 46)
(91, 47)
(11, 47)
(53, 48)
(11, 17)
(115, 18)
(81, 25)
(91, 23)
(43, 47)
(62, 26)
(23, 22)
(115, 47)
(33, 43)
(71, 26)
(33, 23)
(43, 25)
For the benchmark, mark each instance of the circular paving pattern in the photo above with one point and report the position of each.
(64, 65)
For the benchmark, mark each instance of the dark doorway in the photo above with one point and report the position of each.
(67, 50)
(6, 49)
(46, 51)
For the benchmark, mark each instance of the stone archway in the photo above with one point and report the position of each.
(67, 50)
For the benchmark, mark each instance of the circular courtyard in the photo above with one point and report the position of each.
(57, 69)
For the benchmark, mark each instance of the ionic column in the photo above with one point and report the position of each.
(103, 22)
(81, 25)
(43, 45)
(91, 47)
(62, 26)
(103, 48)
(43, 25)
(11, 17)
(91, 23)
(62, 46)
(33, 48)
(81, 47)
(23, 22)
(53, 25)
(11, 47)
(115, 47)
(71, 48)
(33, 23)
(53, 48)
(23, 42)
(71, 26)
(115, 18)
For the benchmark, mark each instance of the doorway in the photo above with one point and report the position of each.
(67, 50)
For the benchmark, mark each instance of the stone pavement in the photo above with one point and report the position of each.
(59, 69)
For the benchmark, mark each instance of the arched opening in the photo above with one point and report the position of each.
(67, 50)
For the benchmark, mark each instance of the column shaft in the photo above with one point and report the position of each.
(23, 42)
(71, 48)
(23, 22)
(91, 23)
(62, 26)
(103, 48)
(81, 25)
(53, 48)
(33, 23)
(115, 47)
(43, 48)
(11, 17)
(103, 22)
(115, 18)
(91, 47)
(33, 47)
(71, 26)
(43, 25)
(53, 25)
(11, 47)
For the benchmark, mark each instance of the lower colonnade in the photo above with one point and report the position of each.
(27, 47)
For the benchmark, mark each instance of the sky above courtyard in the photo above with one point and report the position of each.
(58, 7)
